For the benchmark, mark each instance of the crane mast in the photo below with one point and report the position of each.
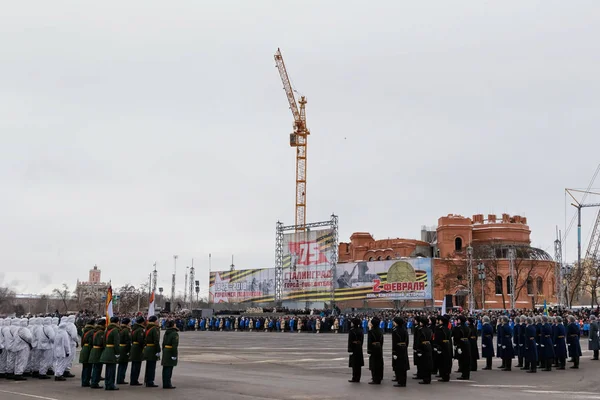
(298, 139)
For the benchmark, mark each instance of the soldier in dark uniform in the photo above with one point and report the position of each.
(400, 362)
(517, 342)
(375, 351)
(442, 348)
(84, 355)
(137, 346)
(356, 339)
(434, 359)
(522, 340)
(594, 339)
(424, 353)
(560, 347)
(473, 343)
(111, 353)
(531, 354)
(125, 349)
(500, 335)
(151, 350)
(169, 354)
(487, 343)
(546, 350)
(507, 345)
(96, 353)
(460, 337)
(573, 334)
(538, 336)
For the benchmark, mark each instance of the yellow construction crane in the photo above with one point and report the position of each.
(298, 139)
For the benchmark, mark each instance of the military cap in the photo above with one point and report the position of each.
(125, 321)
(152, 318)
(140, 320)
(101, 321)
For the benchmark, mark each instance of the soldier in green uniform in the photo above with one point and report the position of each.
(86, 347)
(111, 353)
(151, 350)
(96, 353)
(169, 354)
(125, 348)
(137, 346)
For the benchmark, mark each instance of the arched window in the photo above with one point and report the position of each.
(499, 284)
(508, 285)
(379, 258)
(539, 282)
(530, 286)
(458, 244)
(370, 258)
(388, 258)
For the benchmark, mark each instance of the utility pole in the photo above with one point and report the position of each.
(579, 206)
(185, 286)
(558, 270)
(481, 269)
(511, 260)
(173, 279)
(471, 280)
(154, 278)
(191, 287)
(232, 267)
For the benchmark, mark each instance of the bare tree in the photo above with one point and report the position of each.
(63, 294)
(7, 298)
(128, 298)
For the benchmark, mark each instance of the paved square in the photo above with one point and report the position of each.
(297, 366)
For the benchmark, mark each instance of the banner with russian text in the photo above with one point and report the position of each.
(406, 279)
(242, 286)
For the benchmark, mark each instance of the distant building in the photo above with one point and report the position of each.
(89, 293)
(491, 240)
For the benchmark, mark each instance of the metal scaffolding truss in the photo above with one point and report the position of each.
(282, 229)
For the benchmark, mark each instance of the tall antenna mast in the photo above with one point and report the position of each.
(232, 266)
(154, 278)
(191, 281)
(173, 279)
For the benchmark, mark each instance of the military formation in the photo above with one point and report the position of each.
(536, 342)
(44, 347)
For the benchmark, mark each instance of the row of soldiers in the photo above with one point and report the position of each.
(116, 345)
(542, 342)
(37, 347)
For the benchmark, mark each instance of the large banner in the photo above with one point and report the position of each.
(242, 286)
(407, 279)
(307, 271)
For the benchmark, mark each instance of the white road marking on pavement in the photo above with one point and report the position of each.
(28, 395)
(505, 386)
(560, 392)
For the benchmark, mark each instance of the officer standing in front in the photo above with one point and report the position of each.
(462, 348)
(487, 343)
(137, 346)
(125, 349)
(151, 350)
(400, 362)
(573, 342)
(111, 353)
(443, 348)
(169, 354)
(507, 344)
(84, 355)
(594, 339)
(356, 339)
(531, 352)
(96, 353)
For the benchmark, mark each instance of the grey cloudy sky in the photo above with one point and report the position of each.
(132, 131)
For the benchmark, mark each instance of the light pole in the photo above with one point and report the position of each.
(511, 260)
(481, 270)
(160, 290)
(566, 275)
(470, 277)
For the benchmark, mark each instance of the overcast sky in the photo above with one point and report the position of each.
(132, 131)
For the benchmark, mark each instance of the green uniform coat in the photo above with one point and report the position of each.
(111, 345)
(169, 347)
(86, 343)
(152, 341)
(98, 345)
(137, 343)
(124, 344)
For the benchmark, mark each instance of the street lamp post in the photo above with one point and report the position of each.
(481, 270)
(511, 260)
(160, 290)
(470, 278)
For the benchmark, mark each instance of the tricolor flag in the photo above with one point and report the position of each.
(109, 305)
(151, 305)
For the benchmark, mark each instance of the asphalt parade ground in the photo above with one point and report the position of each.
(251, 365)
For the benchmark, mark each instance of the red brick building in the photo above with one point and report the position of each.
(491, 239)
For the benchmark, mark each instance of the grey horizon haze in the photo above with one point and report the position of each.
(133, 131)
